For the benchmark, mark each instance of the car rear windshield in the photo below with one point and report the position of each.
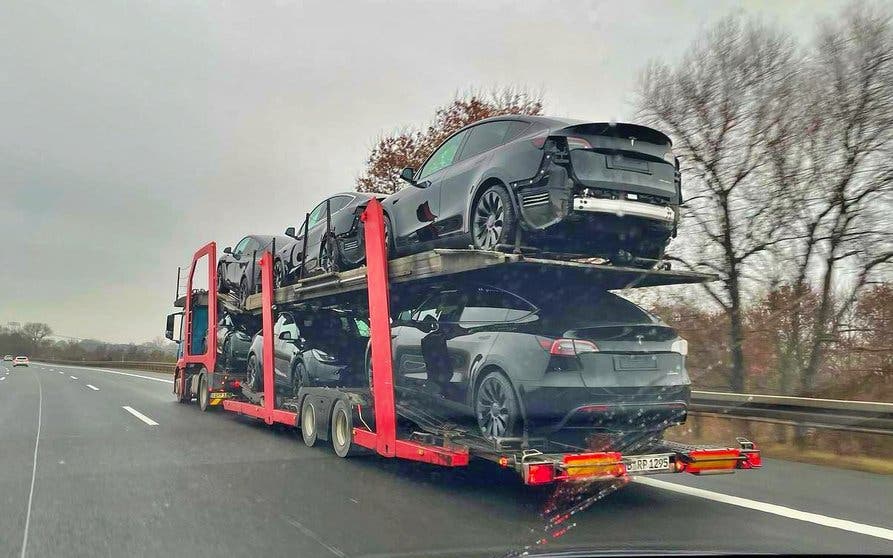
(590, 310)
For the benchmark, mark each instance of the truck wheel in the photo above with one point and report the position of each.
(342, 430)
(204, 397)
(183, 396)
(308, 422)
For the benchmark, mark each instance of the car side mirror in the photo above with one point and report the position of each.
(227, 250)
(290, 232)
(408, 175)
(285, 335)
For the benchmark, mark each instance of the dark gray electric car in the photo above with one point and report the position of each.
(330, 240)
(568, 186)
(324, 347)
(546, 358)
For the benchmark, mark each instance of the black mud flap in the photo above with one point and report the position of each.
(543, 205)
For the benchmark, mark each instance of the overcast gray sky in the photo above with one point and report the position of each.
(133, 132)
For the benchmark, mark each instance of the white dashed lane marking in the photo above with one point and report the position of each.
(73, 377)
(94, 388)
(140, 416)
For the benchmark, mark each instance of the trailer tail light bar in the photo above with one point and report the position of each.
(576, 466)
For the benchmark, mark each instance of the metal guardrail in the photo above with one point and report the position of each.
(167, 367)
(872, 417)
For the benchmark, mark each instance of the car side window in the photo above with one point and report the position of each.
(337, 203)
(483, 138)
(444, 155)
(317, 215)
(442, 307)
(242, 246)
(487, 305)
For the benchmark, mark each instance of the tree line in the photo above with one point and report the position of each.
(34, 340)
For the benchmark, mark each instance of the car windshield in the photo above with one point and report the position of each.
(446, 279)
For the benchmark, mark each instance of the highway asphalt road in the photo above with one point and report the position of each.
(98, 463)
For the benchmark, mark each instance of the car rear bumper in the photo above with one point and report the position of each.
(625, 208)
(618, 409)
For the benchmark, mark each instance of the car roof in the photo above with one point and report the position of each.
(555, 122)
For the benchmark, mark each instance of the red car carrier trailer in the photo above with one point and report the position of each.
(369, 418)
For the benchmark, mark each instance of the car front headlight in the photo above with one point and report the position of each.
(680, 346)
(323, 357)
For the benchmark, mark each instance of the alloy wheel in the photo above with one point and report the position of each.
(494, 412)
(489, 220)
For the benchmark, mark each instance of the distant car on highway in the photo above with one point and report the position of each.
(336, 247)
(590, 362)
(320, 348)
(234, 268)
(569, 186)
(7, 357)
(21, 361)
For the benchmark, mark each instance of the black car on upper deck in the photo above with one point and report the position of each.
(610, 190)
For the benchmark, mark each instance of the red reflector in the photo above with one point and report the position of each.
(753, 460)
(542, 473)
(237, 383)
(594, 409)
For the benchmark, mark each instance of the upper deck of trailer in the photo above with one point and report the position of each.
(478, 265)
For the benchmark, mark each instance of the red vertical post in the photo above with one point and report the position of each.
(380, 326)
(266, 311)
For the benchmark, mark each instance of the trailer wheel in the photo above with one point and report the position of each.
(308, 422)
(204, 397)
(342, 430)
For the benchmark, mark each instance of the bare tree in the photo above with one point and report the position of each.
(409, 147)
(725, 104)
(36, 332)
(845, 179)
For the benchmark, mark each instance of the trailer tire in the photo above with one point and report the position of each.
(204, 396)
(342, 430)
(308, 422)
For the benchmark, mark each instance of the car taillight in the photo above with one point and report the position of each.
(680, 346)
(567, 347)
(540, 140)
(577, 143)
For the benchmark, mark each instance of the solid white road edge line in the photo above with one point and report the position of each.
(119, 373)
(140, 416)
(94, 388)
(846, 525)
(34, 466)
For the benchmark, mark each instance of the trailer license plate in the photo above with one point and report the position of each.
(220, 395)
(648, 463)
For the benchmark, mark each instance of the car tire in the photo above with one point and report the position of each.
(389, 245)
(308, 422)
(243, 292)
(493, 219)
(496, 407)
(341, 433)
(221, 281)
(204, 396)
(253, 374)
(329, 256)
(278, 274)
(298, 378)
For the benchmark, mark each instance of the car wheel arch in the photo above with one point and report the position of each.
(479, 190)
(482, 371)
